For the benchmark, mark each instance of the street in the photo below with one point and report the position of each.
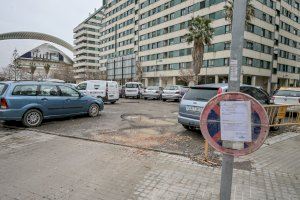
(136, 150)
(131, 122)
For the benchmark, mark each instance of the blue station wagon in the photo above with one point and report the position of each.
(31, 102)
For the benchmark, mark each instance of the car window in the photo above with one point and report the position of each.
(259, 95)
(82, 86)
(68, 92)
(288, 93)
(171, 87)
(2, 88)
(131, 85)
(25, 90)
(200, 94)
(153, 88)
(255, 93)
(48, 90)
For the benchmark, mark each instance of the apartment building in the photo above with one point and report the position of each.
(86, 41)
(150, 34)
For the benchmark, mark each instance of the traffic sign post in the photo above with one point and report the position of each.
(236, 57)
(238, 29)
(217, 123)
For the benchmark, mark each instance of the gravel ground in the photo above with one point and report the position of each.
(148, 125)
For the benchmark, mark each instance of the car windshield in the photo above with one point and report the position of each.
(288, 93)
(130, 85)
(172, 87)
(2, 88)
(201, 94)
(152, 88)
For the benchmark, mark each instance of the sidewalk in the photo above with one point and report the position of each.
(39, 166)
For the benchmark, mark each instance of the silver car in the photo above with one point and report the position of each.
(172, 92)
(153, 92)
(197, 97)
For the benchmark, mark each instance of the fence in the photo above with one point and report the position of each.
(279, 115)
(283, 115)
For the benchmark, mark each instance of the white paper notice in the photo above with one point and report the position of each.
(236, 121)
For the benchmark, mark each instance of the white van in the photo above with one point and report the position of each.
(107, 90)
(134, 89)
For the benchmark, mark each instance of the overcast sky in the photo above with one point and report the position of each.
(54, 17)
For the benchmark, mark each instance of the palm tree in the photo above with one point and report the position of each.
(229, 11)
(200, 33)
(32, 69)
(47, 69)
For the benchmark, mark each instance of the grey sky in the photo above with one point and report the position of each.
(54, 17)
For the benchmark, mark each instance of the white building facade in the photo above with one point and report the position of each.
(151, 32)
(41, 56)
(86, 41)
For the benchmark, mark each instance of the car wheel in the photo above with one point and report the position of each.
(164, 99)
(145, 98)
(32, 118)
(113, 102)
(94, 110)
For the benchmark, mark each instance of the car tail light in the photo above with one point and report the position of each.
(4, 104)
(220, 91)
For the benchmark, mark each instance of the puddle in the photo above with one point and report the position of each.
(145, 120)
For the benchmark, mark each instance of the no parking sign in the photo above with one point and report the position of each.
(211, 126)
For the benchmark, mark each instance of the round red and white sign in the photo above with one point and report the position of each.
(210, 123)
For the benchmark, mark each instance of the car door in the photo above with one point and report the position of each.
(23, 95)
(112, 90)
(72, 100)
(49, 97)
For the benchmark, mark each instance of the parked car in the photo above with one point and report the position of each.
(172, 92)
(288, 96)
(153, 92)
(196, 98)
(31, 102)
(134, 89)
(107, 90)
(184, 90)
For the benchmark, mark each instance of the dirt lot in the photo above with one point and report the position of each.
(144, 124)
(150, 125)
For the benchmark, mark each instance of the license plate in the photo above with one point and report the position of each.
(193, 108)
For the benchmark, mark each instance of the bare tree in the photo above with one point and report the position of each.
(187, 76)
(32, 69)
(65, 73)
(47, 69)
(139, 71)
(14, 68)
(95, 75)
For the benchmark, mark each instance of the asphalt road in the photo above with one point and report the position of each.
(146, 124)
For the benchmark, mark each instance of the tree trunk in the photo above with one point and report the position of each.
(197, 59)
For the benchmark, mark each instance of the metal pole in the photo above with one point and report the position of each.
(114, 69)
(206, 74)
(122, 71)
(236, 61)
